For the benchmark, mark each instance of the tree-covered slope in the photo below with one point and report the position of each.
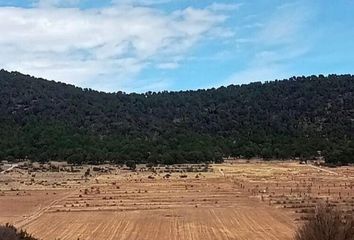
(44, 120)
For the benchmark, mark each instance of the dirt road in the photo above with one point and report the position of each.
(9, 169)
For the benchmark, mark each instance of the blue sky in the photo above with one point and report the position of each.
(155, 45)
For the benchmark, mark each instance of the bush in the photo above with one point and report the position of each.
(9, 232)
(327, 224)
(131, 165)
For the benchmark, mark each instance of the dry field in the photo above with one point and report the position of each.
(294, 187)
(230, 201)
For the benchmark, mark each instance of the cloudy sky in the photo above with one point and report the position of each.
(143, 45)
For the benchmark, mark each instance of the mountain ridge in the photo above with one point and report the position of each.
(278, 119)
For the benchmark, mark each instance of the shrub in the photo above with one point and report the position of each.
(9, 232)
(327, 224)
(131, 165)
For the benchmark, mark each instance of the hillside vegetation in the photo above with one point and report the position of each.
(300, 117)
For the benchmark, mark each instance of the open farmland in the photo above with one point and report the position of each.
(295, 187)
(227, 201)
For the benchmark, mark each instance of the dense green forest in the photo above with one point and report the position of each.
(301, 117)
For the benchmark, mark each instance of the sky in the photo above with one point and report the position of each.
(157, 45)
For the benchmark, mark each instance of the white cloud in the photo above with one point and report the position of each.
(285, 25)
(266, 66)
(56, 3)
(140, 2)
(280, 40)
(113, 44)
(225, 6)
(145, 85)
(168, 65)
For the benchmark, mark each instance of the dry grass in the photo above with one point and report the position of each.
(231, 201)
(327, 224)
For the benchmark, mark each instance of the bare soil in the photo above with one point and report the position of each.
(231, 201)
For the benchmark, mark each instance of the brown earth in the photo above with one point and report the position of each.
(232, 201)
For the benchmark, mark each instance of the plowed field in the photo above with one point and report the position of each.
(232, 201)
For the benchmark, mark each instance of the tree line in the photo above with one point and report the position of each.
(301, 117)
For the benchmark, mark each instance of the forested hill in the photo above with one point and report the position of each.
(44, 120)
